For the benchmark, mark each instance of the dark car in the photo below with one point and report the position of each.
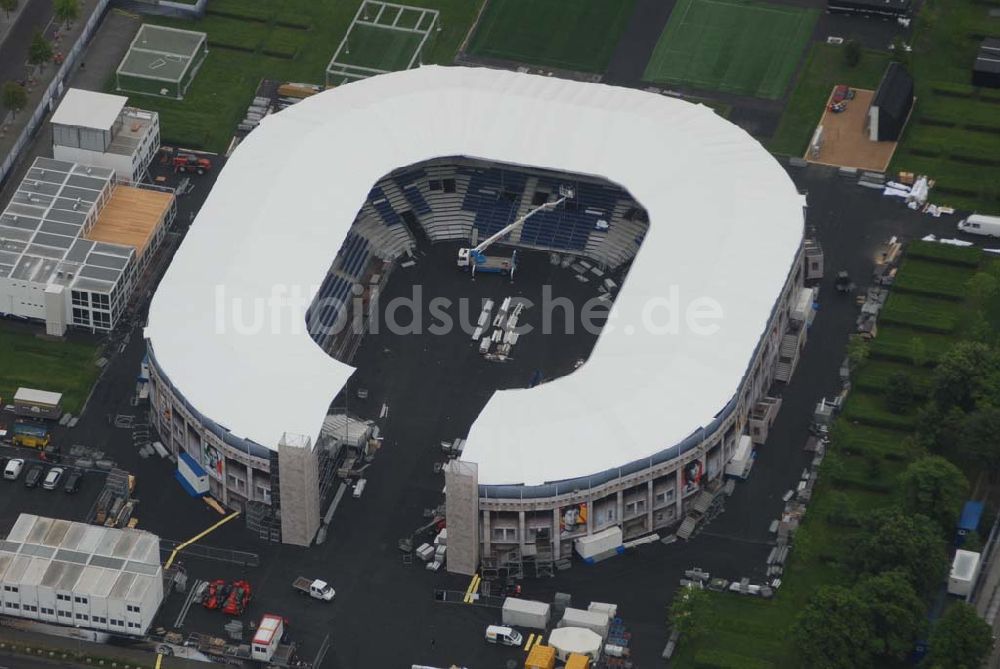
(73, 481)
(33, 476)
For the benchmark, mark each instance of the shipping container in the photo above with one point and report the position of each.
(525, 613)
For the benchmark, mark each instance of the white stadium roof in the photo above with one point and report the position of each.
(725, 223)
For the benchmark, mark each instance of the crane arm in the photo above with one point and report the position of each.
(486, 243)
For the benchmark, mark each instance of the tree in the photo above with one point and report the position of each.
(895, 614)
(852, 53)
(900, 541)
(964, 375)
(8, 6)
(40, 50)
(959, 640)
(833, 631)
(934, 487)
(900, 392)
(14, 96)
(940, 429)
(689, 614)
(67, 11)
(983, 286)
(980, 437)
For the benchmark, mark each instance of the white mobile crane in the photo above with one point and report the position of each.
(475, 260)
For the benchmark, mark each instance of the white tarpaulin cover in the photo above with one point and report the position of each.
(725, 225)
(579, 640)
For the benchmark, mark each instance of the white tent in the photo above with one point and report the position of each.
(579, 640)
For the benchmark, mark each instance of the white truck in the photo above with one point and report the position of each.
(981, 224)
(315, 588)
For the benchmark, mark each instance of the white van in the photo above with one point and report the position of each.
(13, 469)
(505, 636)
(979, 224)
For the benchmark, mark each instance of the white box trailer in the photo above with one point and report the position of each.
(595, 621)
(601, 542)
(981, 224)
(964, 570)
(525, 613)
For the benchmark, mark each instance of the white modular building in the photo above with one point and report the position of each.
(73, 243)
(80, 575)
(99, 129)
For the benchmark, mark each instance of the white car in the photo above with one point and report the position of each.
(52, 478)
(503, 635)
(13, 469)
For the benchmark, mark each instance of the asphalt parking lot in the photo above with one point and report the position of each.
(16, 499)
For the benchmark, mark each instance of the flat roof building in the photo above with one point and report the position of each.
(80, 575)
(98, 129)
(73, 242)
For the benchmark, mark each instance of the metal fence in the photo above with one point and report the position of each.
(53, 91)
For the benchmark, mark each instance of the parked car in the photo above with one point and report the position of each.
(13, 469)
(841, 93)
(73, 481)
(33, 476)
(503, 635)
(52, 478)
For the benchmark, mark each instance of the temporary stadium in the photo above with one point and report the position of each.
(338, 195)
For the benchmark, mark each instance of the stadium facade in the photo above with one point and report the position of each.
(632, 439)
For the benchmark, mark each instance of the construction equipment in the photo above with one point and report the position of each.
(406, 543)
(238, 599)
(475, 260)
(188, 162)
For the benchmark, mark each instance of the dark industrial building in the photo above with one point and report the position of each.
(890, 9)
(986, 70)
(891, 105)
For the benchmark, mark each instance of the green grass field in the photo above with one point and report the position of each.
(575, 35)
(824, 69)
(954, 131)
(291, 40)
(58, 366)
(734, 46)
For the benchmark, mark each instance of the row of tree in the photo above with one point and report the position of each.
(40, 51)
(899, 559)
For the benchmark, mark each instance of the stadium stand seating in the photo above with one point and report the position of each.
(462, 199)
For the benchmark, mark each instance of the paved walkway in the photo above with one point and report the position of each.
(102, 56)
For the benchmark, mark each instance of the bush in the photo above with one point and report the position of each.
(900, 393)
(968, 256)
(852, 53)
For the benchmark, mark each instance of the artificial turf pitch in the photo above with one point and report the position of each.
(569, 34)
(380, 48)
(735, 46)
